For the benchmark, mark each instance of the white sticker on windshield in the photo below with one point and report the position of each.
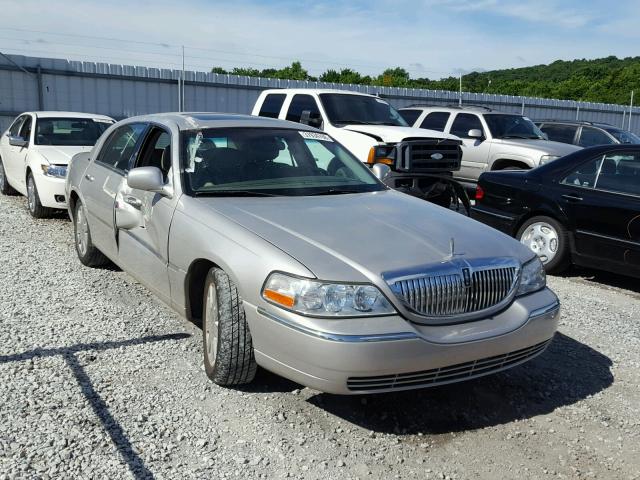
(315, 136)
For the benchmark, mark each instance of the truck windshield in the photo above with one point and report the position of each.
(269, 162)
(345, 109)
(623, 136)
(512, 126)
(78, 132)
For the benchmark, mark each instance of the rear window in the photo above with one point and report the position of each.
(272, 105)
(560, 133)
(70, 131)
(435, 121)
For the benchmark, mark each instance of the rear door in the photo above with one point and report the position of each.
(102, 181)
(602, 200)
(475, 151)
(143, 248)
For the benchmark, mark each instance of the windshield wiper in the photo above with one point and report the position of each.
(528, 137)
(335, 191)
(352, 122)
(233, 193)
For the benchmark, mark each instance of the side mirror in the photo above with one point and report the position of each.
(313, 119)
(17, 141)
(148, 179)
(475, 133)
(381, 170)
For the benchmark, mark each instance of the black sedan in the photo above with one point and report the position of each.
(582, 209)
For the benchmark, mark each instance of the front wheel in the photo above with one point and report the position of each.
(548, 239)
(33, 199)
(88, 254)
(227, 343)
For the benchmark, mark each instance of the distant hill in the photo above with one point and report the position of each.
(608, 80)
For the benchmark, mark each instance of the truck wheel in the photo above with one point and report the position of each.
(5, 188)
(444, 199)
(33, 199)
(88, 254)
(548, 238)
(227, 344)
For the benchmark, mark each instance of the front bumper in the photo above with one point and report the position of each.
(51, 190)
(391, 354)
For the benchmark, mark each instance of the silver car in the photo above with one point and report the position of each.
(292, 255)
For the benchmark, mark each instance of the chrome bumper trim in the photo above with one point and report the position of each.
(336, 337)
(549, 309)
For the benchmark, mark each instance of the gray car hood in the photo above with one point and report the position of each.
(545, 147)
(356, 237)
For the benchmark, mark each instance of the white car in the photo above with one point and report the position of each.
(35, 152)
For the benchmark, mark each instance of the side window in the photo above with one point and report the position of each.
(592, 136)
(437, 121)
(410, 116)
(560, 133)
(14, 130)
(619, 173)
(119, 147)
(156, 151)
(463, 123)
(299, 104)
(25, 130)
(272, 105)
(585, 175)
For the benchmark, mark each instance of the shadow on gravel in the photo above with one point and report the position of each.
(267, 382)
(112, 427)
(600, 277)
(567, 372)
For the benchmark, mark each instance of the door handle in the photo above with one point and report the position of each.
(133, 201)
(572, 198)
(89, 177)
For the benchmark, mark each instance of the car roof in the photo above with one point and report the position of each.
(317, 91)
(578, 122)
(56, 114)
(199, 120)
(456, 108)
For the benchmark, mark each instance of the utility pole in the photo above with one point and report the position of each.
(630, 110)
(183, 107)
(460, 98)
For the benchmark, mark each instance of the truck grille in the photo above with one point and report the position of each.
(455, 293)
(448, 374)
(429, 156)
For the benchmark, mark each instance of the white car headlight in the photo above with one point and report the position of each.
(532, 278)
(548, 158)
(57, 171)
(325, 299)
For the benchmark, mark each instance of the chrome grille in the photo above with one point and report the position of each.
(447, 294)
(448, 374)
(417, 156)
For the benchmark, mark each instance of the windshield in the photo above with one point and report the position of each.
(76, 132)
(266, 162)
(345, 109)
(512, 126)
(623, 137)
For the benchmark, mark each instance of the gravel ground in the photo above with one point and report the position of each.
(98, 379)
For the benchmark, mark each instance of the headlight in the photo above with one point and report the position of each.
(382, 154)
(57, 171)
(548, 158)
(533, 277)
(324, 299)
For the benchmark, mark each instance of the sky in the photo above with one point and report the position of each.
(429, 38)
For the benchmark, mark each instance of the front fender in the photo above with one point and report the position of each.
(527, 160)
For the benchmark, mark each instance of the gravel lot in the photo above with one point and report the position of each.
(98, 379)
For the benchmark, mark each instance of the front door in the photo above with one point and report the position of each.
(602, 198)
(11, 156)
(475, 151)
(102, 181)
(143, 245)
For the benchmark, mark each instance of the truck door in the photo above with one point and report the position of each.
(475, 151)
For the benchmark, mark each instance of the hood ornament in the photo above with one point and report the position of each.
(452, 250)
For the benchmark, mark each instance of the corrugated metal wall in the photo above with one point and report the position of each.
(122, 91)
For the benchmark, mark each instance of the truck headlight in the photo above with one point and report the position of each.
(382, 154)
(532, 278)
(548, 158)
(56, 171)
(325, 299)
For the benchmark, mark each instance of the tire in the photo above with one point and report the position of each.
(5, 188)
(540, 234)
(33, 199)
(88, 254)
(226, 339)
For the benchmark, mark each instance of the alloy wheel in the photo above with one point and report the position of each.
(82, 231)
(542, 239)
(31, 193)
(211, 324)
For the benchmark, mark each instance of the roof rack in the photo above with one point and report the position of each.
(450, 105)
(581, 122)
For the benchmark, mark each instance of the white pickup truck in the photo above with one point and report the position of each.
(416, 161)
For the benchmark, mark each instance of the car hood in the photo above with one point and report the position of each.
(60, 155)
(359, 237)
(544, 147)
(391, 134)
